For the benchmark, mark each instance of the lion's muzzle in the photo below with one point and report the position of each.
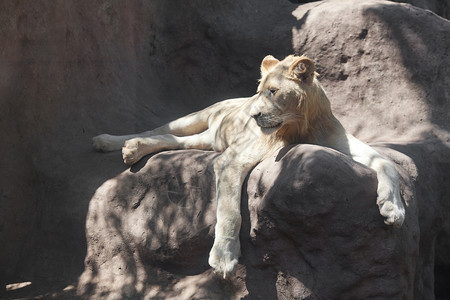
(266, 120)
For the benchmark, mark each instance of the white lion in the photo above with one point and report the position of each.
(290, 107)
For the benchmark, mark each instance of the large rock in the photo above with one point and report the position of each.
(311, 229)
(388, 64)
(72, 70)
(440, 7)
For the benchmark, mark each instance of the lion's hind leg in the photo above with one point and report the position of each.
(194, 123)
(136, 148)
(191, 124)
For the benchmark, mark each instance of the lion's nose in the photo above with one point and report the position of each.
(256, 116)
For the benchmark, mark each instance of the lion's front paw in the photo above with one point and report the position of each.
(392, 209)
(224, 256)
(106, 143)
(131, 151)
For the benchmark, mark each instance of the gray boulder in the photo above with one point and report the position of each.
(311, 229)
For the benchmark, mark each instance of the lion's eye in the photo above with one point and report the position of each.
(273, 91)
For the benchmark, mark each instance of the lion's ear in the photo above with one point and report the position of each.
(303, 68)
(267, 64)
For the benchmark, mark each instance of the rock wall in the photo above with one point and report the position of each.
(70, 71)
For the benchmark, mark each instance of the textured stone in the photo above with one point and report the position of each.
(311, 228)
(72, 70)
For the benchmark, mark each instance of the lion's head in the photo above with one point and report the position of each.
(290, 101)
